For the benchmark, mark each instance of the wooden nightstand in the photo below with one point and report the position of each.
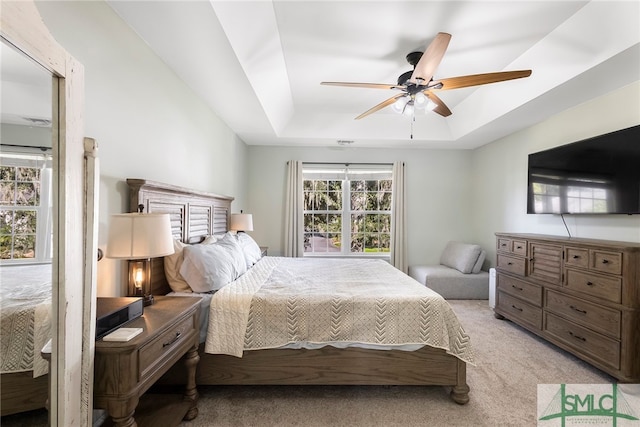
(124, 371)
(264, 250)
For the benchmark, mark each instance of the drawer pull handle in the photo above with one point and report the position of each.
(573, 307)
(509, 263)
(517, 308)
(605, 261)
(172, 341)
(514, 286)
(576, 256)
(589, 283)
(578, 337)
(518, 247)
(504, 244)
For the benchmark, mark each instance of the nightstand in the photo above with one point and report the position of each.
(263, 250)
(124, 371)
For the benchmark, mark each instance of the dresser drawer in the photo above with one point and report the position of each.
(577, 257)
(606, 262)
(523, 290)
(512, 264)
(516, 247)
(161, 347)
(520, 310)
(586, 341)
(605, 287)
(596, 317)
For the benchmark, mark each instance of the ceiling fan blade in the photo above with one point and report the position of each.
(380, 106)
(365, 85)
(441, 108)
(479, 79)
(431, 58)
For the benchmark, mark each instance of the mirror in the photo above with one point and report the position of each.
(74, 235)
(26, 227)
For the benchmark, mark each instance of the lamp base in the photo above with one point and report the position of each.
(148, 300)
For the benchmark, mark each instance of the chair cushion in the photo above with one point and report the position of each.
(461, 256)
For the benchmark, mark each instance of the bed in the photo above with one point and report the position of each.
(25, 308)
(195, 215)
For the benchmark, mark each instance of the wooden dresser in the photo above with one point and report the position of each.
(583, 295)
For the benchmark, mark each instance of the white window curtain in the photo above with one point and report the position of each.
(399, 220)
(293, 223)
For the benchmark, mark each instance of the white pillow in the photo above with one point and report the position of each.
(210, 267)
(173, 263)
(461, 256)
(250, 249)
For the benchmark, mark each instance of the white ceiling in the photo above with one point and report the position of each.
(259, 64)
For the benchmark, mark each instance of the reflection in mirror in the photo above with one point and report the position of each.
(25, 228)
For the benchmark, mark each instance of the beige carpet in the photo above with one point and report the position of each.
(510, 364)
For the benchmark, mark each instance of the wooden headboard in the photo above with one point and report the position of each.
(194, 215)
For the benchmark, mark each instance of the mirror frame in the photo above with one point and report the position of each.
(74, 220)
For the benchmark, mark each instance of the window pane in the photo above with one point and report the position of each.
(372, 201)
(320, 223)
(358, 185)
(358, 201)
(27, 194)
(6, 222)
(385, 242)
(385, 202)
(357, 223)
(335, 186)
(24, 246)
(308, 222)
(385, 185)
(372, 185)
(307, 185)
(372, 222)
(7, 193)
(357, 242)
(334, 223)
(5, 246)
(7, 173)
(307, 203)
(334, 200)
(24, 222)
(28, 174)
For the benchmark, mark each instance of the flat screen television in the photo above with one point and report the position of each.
(599, 175)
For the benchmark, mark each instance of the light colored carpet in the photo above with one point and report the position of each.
(511, 362)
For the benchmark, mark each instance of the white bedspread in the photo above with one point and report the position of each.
(25, 305)
(305, 302)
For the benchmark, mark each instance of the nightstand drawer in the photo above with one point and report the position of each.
(161, 347)
(578, 257)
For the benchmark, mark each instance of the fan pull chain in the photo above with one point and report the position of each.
(413, 119)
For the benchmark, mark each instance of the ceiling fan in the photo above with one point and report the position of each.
(418, 86)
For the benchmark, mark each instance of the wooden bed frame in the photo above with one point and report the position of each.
(196, 214)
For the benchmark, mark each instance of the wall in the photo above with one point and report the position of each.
(500, 173)
(147, 122)
(438, 193)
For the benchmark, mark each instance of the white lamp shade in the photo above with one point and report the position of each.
(139, 236)
(241, 222)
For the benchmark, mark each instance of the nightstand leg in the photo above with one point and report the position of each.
(191, 393)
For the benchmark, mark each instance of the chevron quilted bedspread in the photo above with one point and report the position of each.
(311, 302)
(25, 307)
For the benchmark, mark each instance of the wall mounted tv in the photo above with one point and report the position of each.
(599, 175)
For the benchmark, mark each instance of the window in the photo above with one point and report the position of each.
(25, 209)
(347, 210)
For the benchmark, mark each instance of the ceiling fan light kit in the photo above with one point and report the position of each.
(418, 86)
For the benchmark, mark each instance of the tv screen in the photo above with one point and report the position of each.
(599, 175)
